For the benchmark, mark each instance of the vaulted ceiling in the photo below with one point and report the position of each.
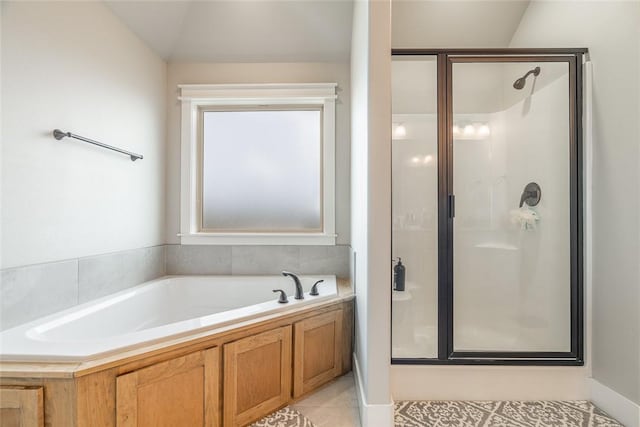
(456, 23)
(242, 30)
(307, 30)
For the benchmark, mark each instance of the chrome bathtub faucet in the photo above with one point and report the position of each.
(299, 291)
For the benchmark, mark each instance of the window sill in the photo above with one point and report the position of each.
(258, 239)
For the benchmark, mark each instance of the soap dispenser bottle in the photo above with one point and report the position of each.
(398, 276)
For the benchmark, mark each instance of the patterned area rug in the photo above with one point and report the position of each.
(285, 417)
(501, 414)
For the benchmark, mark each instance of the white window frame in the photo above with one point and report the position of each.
(193, 97)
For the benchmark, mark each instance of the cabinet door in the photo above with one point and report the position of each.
(21, 407)
(257, 376)
(318, 351)
(179, 392)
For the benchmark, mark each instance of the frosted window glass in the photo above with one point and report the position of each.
(261, 170)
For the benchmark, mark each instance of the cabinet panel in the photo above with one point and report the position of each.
(318, 351)
(179, 392)
(21, 407)
(257, 376)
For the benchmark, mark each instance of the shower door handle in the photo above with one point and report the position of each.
(452, 205)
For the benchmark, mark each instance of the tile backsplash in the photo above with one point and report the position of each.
(105, 274)
(29, 292)
(246, 259)
(198, 259)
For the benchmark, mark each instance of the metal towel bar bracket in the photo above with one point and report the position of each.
(58, 134)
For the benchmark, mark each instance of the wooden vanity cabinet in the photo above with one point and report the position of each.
(257, 376)
(317, 352)
(179, 392)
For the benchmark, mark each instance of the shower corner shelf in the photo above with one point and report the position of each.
(412, 228)
(497, 245)
(401, 296)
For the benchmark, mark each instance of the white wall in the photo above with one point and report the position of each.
(379, 206)
(371, 205)
(193, 73)
(459, 23)
(611, 31)
(76, 67)
(359, 180)
(1, 121)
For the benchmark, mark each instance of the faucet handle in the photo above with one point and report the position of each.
(283, 296)
(314, 289)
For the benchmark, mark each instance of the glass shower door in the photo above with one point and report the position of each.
(511, 145)
(414, 305)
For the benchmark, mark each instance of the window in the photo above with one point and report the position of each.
(258, 164)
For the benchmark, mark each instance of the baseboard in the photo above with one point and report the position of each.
(615, 404)
(435, 382)
(371, 415)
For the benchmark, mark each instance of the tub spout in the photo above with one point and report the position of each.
(296, 280)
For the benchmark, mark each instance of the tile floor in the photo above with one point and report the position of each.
(540, 413)
(334, 405)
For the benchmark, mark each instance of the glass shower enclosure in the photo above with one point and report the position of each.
(487, 206)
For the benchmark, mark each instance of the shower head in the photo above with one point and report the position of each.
(519, 84)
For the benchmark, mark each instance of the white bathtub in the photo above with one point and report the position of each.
(169, 307)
